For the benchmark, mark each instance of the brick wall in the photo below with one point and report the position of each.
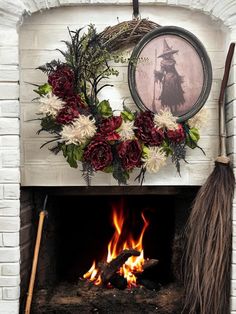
(12, 14)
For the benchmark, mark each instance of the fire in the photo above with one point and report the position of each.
(117, 244)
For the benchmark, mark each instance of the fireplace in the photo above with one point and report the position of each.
(78, 228)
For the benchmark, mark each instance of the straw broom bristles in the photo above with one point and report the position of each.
(208, 251)
(207, 267)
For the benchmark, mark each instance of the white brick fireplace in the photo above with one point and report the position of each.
(29, 35)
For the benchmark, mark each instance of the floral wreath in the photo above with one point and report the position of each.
(86, 129)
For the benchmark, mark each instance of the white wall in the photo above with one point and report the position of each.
(40, 35)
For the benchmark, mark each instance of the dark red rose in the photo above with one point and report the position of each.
(130, 154)
(110, 124)
(75, 101)
(62, 81)
(146, 130)
(176, 135)
(67, 114)
(99, 154)
(108, 127)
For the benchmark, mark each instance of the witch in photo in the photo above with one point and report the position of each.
(172, 94)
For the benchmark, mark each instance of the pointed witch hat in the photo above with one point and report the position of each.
(166, 49)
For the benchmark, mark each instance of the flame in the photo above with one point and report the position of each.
(134, 264)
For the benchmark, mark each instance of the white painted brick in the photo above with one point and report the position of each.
(9, 224)
(1, 240)
(12, 269)
(234, 257)
(233, 303)
(9, 126)
(8, 255)
(1, 191)
(9, 55)
(11, 191)
(9, 207)
(9, 142)
(9, 281)
(9, 176)
(9, 307)
(233, 282)
(10, 239)
(9, 73)
(8, 37)
(9, 90)
(9, 108)
(10, 159)
(11, 293)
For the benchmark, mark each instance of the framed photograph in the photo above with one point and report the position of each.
(170, 68)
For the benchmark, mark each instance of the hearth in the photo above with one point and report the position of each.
(101, 227)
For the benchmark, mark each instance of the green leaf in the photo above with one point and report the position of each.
(108, 169)
(78, 153)
(194, 134)
(127, 115)
(73, 153)
(104, 109)
(166, 148)
(43, 89)
(145, 151)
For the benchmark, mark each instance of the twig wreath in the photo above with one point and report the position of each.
(85, 128)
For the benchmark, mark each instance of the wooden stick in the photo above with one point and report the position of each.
(35, 262)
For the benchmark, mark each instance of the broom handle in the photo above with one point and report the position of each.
(222, 126)
(35, 262)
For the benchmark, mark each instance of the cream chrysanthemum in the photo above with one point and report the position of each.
(165, 120)
(199, 119)
(70, 135)
(82, 129)
(50, 104)
(126, 130)
(154, 159)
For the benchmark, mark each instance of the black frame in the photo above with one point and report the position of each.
(201, 51)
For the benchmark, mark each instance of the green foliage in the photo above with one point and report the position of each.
(166, 148)
(43, 89)
(73, 153)
(104, 108)
(192, 138)
(50, 66)
(127, 115)
(49, 124)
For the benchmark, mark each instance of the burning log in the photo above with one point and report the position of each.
(119, 282)
(110, 269)
(149, 263)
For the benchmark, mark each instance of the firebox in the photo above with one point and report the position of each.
(111, 249)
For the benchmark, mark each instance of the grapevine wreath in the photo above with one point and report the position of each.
(86, 129)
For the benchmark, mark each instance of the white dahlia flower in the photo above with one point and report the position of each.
(165, 120)
(154, 159)
(50, 104)
(199, 120)
(126, 130)
(82, 129)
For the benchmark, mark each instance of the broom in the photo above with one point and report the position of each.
(207, 260)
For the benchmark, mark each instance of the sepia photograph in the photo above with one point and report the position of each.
(171, 70)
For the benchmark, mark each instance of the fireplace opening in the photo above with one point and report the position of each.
(77, 233)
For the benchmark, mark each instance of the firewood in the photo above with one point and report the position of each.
(149, 284)
(149, 263)
(118, 282)
(109, 270)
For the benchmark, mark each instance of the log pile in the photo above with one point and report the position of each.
(109, 272)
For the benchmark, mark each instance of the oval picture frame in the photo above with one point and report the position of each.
(170, 67)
